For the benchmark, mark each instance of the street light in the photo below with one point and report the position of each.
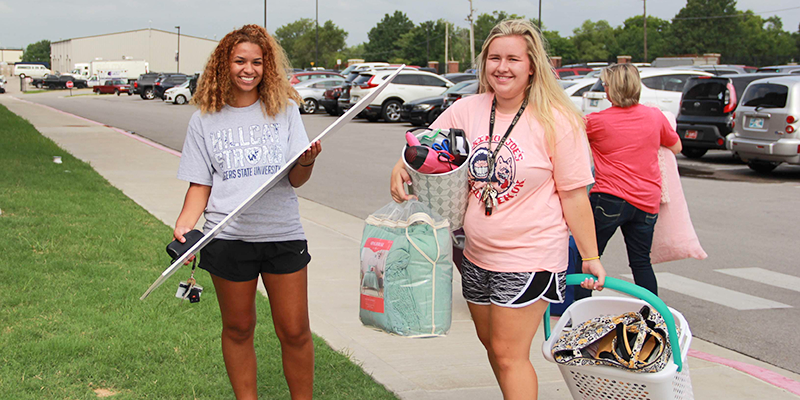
(178, 53)
(316, 52)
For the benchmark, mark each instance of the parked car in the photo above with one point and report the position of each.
(3, 82)
(312, 92)
(767, 124)
(425, 110)
(707, 112)
(660, 86)
(343, 102)
(409, 85)
(115, 86)
(24, 70)
(60, 82)
(792, 69)
(459, 77)
(561, 73)
(93, 81)
(297, 77)
(180, 94)
(144, 86)
(167, 81)
(575, 89)
(455, 95)
(39, 82)
(362, 67)
(721, 69)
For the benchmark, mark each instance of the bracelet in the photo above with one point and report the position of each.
(312, 163)
(590, 258)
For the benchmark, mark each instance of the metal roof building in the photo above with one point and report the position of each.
(157, 47)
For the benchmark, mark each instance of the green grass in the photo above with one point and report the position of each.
(75, 255)
(35, 91)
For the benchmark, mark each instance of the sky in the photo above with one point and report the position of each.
(21, 24)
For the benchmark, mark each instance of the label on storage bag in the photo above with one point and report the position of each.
(373, 268)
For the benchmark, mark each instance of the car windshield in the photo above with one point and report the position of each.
(766, 95)
(185, 84)
(459, 86)
(361, 79)
(470, 89)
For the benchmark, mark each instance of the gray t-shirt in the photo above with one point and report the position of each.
(235, 151)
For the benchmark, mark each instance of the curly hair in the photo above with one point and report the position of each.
(215, 88)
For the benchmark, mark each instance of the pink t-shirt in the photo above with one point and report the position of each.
(625, 144)
(527, 231)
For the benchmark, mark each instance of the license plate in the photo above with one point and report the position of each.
(691, 134)
(593, 102)
(757, 123)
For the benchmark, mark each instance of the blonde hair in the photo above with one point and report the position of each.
(624, 84)
(215, 88)
(544, 92)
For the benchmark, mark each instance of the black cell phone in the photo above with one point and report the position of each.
(176, 248)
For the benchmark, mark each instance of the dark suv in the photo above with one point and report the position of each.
(60, 82)
(144, 85)
(707, 111)
(167, 81)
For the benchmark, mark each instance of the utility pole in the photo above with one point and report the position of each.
(427, 42)
(178, 53)
(471, 35)
(540, 15)
(316, 52)
(265, 14)
(446, 43)
(645, 30)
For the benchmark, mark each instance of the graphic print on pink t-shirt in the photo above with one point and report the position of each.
(505, 168)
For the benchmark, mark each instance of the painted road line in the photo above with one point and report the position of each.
(712, 293)
(764, 276)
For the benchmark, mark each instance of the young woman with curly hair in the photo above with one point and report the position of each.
(247, 127)
(535, 162)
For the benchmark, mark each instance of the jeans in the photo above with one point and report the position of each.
(637, 227)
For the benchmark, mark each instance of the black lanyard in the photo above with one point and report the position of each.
(496, 151)
(489, 196)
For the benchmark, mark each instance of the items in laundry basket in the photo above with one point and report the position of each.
(635, 341)
(406, 271)
(444, 150)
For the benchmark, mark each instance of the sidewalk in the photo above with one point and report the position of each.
(450, 368)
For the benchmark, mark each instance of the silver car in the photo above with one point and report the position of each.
(312, 91)
(767, 124)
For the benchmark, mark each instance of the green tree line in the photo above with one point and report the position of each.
(702, 26)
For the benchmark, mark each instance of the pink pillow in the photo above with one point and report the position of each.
(674, 237)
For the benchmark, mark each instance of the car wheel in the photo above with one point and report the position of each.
(149, 94)
(693, 152)
(180, 100)
(38, 85)
(433, 115)
(96, 91)
(116, 92)
(762, 167)
(391, 111)
(309, 106)
(21, 76)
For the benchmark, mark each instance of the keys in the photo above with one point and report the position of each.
(489, 197)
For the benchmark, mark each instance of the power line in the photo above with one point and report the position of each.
(744, 14)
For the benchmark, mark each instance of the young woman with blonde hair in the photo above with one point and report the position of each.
(247, 128)
(529, 153)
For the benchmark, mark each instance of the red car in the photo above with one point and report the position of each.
(297, 77)
(115, 86)
(564, 72)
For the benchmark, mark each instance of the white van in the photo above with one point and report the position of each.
(30, 70)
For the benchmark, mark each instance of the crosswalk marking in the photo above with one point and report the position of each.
(712, 293)
(764, 276)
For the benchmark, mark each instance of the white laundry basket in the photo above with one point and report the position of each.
(610, 383)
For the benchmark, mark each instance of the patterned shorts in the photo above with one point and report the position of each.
(511, 289)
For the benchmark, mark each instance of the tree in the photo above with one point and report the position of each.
(706, 26)
(484, 24)
(37, 52)
(298, 39)
(594, 41)
(761, 42)
(423, 43)
(384, 43)
(557, 45)
(630, 38)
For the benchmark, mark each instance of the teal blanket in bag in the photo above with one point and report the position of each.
(406, 253)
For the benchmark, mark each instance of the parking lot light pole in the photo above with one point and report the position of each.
(316, 51)
(178, 54)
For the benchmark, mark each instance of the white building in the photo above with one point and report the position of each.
(155, 46)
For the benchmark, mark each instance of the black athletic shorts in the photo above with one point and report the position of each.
(511, 289)
(240, 261)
